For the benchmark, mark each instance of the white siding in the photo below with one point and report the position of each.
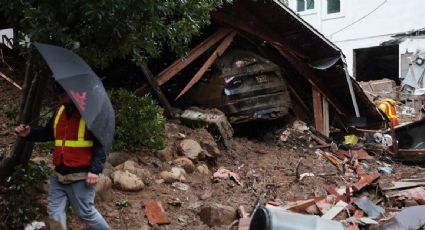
(367, 23)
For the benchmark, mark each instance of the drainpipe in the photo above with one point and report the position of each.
(350, 86)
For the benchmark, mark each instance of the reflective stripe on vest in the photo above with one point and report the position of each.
(80, 142)
(389, 112)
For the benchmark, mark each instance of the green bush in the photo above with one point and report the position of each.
(20, 204)
(138, 121)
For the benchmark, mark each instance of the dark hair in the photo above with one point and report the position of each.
(423, 109)
(377, 98)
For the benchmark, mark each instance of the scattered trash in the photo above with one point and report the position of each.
(408, 218)
(386, 169)
(305, 175)
(372, 210)
(351, 139)
(271, 217)
(223, 173)
(35, 225)
(365, 180)
(335, 210)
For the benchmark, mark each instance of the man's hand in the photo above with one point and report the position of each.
(23, 130)
(91, 179)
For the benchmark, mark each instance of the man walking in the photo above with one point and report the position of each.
(78, 159)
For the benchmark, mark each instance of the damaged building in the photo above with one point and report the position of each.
(233, 67)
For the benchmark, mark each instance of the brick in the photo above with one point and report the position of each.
(361, 154)
(358, 213)
(365, 180)
(244, 220)
(155, 212)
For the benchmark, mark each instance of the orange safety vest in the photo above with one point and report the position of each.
(73, 142)
(390, 111)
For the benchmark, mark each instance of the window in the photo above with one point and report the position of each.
(334, 6)
(303, 5)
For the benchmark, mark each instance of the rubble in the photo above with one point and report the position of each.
(217, 214)
(127, 181)
(185, 163)
(155, 212)
(190, 148)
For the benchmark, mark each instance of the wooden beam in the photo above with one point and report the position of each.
(169, 72)
(318, 110)
(10, 80)
(325, 109)
(217, 53)
(167, 107)
(298, 106)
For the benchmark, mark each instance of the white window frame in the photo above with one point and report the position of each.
(337, 15)
(306, 11)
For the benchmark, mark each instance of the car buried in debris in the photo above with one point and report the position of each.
(244, 85)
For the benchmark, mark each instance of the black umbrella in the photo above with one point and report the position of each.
(84, 88)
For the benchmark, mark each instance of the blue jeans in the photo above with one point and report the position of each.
(81, 199)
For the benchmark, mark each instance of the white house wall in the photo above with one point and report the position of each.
(366, 23)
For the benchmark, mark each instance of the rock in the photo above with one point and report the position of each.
(108, 169)
(134, 168)
(127, 181)
(185, 163)
(190, 148)
(203, 169)
(217, 215)
(181, 186)
(117, 158)
(168, 153)
(167, 177)
(208, 143)
(176, 174)
(103, 188)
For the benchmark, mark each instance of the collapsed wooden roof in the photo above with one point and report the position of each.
(313, 56)
(290, 42)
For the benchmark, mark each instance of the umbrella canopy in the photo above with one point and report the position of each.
(84, 88)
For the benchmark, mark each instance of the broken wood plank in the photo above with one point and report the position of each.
(332, 159)
(244, 220)
(169, 72)
(300, 206)
(155, 212)
(402, 184)
(154, 85)
(365, 180)
(217, 53)
(335, 210)
(10, 80)
(318, 139)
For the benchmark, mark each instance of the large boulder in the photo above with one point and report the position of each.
(217, 215)
(190, 148)
(134, 168)
(176, 174)
(127, 181)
